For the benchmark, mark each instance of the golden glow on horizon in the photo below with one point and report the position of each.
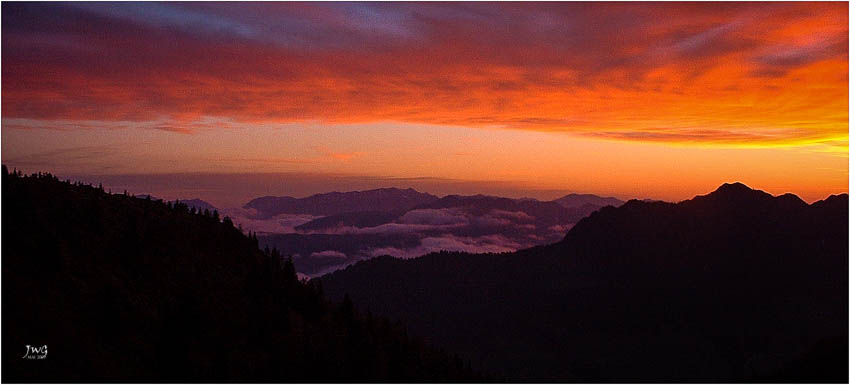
(527, 160)
(666, 100)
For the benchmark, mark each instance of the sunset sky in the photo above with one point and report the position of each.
(656, 100)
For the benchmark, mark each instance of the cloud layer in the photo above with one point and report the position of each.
(484, 244)
(731, 73)
(474, 224)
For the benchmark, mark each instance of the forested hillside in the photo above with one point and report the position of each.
(129, 289)
(736, 285)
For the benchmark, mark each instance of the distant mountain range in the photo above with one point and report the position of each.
(736, 285)
(578, 200)
(348, 227)
(384, 199)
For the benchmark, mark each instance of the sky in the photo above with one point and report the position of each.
(649, 100)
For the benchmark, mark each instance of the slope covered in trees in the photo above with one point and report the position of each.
(737, 285)
(127, 289)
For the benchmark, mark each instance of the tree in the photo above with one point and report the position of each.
(289, 270)
(347, 309)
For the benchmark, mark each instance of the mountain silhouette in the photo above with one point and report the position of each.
(125, 289)
(454, 222)
(383, 199)
(543, 214)
(736, 285)
(578, 200)
(359, 219)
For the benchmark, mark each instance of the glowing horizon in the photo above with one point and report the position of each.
(661, 100)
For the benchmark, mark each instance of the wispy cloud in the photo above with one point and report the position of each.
(339, 155)
(701, 72)
(92, 156)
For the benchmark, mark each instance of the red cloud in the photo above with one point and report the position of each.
(762, 73)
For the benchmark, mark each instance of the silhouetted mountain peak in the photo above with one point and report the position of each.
(733, 192)
(791, 199)
(741, 197)
(734, 207)
(733, 188)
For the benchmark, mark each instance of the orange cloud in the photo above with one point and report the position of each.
(751, 74)
(344, 156)
(336, 155)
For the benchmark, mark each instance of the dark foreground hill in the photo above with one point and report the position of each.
(737, 285)
(127, 289)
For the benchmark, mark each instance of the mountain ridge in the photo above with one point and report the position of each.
(577, 200)
(333, 203)
(633, 293)
(453, 222)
